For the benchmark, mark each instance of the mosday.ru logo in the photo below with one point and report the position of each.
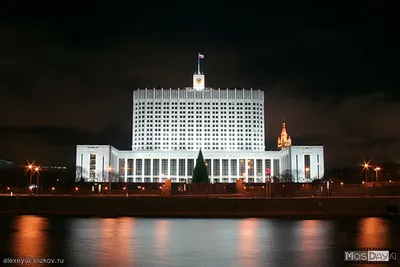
(382, 255)
(370, 256)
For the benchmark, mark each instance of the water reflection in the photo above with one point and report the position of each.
(248, 247)
(373, 233)
(315, 237)
(162, 239)
(193, 242)
(31, 237)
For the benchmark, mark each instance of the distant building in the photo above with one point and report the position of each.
(170, 126)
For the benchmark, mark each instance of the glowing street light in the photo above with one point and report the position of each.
(30, 168)
(366, 169)
(37, 169)
(377, 169)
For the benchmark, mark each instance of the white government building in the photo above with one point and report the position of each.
(170, 126)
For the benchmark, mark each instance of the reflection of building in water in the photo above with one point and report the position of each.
(170, 126)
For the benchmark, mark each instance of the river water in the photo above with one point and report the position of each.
(118, 242)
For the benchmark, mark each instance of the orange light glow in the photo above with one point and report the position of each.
(53, 188)
(341, 183)
(76, 188)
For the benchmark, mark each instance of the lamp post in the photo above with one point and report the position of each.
(37, 180)
(30, 168)
(366, 167)
(109, 179)
(377, 169)
(126, 182)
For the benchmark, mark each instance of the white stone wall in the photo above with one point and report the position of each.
(297, 164)
(106, 156)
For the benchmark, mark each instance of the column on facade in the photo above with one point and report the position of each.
(126, 170)
(263, 171)
(211, 170)
(177, 169)
(134, 170)
(255, 174)
(246, 171)
(238, 169)
(186, 170)
(272, 171)
(169, 169)
(151, 170)
(160, 170)
(142, 170)
(220, 170)
(229, 170)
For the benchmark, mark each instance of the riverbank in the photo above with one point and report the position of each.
(199, 207)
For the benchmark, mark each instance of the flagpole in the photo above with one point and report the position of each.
(198, 63)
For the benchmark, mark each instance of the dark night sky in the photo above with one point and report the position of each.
(67, 72)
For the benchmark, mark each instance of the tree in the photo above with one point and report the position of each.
(287, 176)
(200, 171)
(81, 173)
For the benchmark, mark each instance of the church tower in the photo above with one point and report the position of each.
(284, 140)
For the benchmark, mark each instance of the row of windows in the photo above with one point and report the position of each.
(183, 167)
(197, 108)
(256, 147)
(140, 103)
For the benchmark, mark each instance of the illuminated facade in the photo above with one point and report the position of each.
(170, 126)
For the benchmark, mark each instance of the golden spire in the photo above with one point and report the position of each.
(284, 140)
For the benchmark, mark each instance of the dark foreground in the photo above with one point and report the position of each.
(207, 207)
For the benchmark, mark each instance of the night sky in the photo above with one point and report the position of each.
(67, 72)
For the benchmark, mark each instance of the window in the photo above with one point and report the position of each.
(268, 171)
(164, 167)
(276, 167)
(138, 166)
(225, 167)
(172, 166)
(259, 171)
(208, 165)
(156, 167)
(122, 167)
(130, 167)
(216, 164)
(250, 167)
(307, 169)
(147, 167)
(234, 168)
(92, 166)
(182, 166)
(190, 166)
(242, 168)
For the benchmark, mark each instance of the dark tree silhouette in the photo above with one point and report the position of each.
(200, 171)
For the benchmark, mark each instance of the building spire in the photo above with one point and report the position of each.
(284, 140)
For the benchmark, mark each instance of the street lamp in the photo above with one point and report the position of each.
(126, 182)
(366, 168)
(30, 169)
(109, 179)
(37, 169)
(377, 169)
